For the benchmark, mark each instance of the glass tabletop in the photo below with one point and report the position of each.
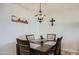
(37, 41)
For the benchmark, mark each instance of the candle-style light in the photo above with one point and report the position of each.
(40, 16)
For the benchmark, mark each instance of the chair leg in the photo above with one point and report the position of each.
(59, 51)
(17, 49)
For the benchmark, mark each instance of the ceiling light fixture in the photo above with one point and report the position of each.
(40, 16)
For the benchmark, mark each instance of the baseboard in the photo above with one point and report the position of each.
(3, 53)
(63, 52)
(7, 53)
(69, 52)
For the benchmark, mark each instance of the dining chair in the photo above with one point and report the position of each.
(56, 49)
(51, 37)
(30, 37)
(22, 47)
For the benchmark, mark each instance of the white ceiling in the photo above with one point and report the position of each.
(48, 7)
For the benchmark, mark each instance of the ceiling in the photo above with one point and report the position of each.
(47, 8)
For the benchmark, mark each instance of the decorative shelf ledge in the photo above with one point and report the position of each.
(18, 19)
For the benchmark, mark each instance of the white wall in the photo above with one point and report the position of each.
(9, 31)
(64, 26)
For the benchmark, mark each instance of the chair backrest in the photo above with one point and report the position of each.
(23, 47)
(30, 37)
(51, 37)
(58, 46)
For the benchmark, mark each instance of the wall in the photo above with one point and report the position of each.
(66, 25)
(9, 31)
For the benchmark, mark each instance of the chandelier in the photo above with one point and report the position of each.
(40, 16)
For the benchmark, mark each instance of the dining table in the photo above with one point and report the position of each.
(40, 46)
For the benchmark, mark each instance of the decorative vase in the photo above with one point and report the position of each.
(41, 37)
(41, 43)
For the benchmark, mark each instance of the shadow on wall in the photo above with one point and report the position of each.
(8, 49)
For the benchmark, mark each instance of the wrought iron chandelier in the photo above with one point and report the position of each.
(40, 16)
